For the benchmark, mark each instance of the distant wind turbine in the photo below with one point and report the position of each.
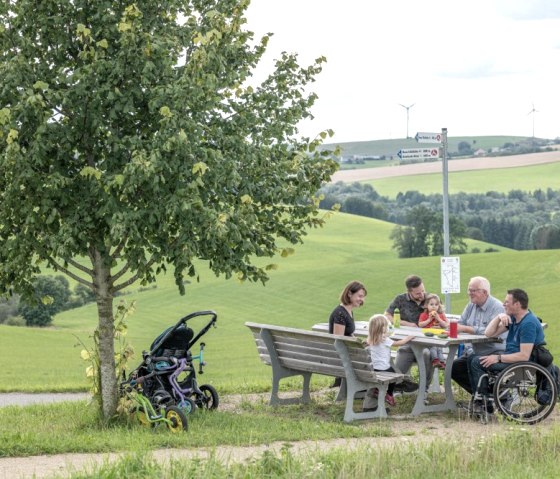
(532, 112)
(407, 108)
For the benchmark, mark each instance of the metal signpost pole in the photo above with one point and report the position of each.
(445, 208)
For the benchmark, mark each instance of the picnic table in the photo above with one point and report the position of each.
(418, 344)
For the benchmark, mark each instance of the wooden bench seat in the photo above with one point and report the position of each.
(293, 352)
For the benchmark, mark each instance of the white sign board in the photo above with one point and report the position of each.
(422, 137)
(423, 153)
(450, 274)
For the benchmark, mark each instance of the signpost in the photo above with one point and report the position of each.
(422, 137)
(419, 153)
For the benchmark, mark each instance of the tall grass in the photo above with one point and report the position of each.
(514, 455)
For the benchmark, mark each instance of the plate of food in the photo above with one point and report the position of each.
(434, 331)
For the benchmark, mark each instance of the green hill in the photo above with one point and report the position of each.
(391, 147)
(302, 291)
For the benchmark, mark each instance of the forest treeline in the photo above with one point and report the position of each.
(518, 219)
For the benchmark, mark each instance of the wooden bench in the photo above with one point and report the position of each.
(298, 352)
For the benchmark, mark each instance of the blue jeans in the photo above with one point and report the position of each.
(477, 370)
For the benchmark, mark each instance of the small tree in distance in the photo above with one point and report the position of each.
(130, 141)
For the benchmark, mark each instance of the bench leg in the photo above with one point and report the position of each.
(277, 375)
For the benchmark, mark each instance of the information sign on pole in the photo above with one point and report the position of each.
(450, 274)
(419, 153)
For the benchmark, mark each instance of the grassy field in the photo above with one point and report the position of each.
(527, 178)
(302, 291)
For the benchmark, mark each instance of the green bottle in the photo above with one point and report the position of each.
(396, 318)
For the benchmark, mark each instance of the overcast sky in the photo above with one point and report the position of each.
(475, 67)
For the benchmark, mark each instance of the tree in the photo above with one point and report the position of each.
(464, 148)
(131, 140)
(50, 297)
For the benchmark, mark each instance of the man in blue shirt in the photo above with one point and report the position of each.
(524, 332)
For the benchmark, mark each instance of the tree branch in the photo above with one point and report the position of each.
(132, 279)
(67, 272)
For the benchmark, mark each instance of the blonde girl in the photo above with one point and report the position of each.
(379, 347)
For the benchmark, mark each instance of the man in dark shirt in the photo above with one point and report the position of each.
(410, 305)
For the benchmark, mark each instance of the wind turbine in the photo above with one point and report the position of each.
(532, 112)
(407, 108)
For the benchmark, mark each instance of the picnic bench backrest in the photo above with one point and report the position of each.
(311, 351)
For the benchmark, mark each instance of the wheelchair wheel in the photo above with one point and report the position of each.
(525, 392)
(177, 419)
(208, 399)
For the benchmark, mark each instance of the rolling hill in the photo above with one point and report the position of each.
(302, 291)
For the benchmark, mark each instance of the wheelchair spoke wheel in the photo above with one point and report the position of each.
(525, 392)
(177, 421)
(209, 398)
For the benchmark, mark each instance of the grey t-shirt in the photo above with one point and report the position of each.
(478, 317)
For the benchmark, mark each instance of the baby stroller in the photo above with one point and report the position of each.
(164, 388)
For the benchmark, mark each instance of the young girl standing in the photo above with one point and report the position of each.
(434, 317)
(379, 347)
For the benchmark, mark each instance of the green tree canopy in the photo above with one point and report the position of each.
(132, 139)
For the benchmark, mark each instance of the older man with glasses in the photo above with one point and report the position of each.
(476, 316)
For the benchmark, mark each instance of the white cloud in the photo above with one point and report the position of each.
(472, 67)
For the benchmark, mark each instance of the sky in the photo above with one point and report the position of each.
(476, 67)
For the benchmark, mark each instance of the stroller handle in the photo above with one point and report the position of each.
(182, 321)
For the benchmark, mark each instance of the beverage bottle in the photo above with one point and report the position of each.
(396, 318)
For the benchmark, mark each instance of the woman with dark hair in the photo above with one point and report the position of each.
(341, 321)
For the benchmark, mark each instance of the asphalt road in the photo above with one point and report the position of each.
(25, 399)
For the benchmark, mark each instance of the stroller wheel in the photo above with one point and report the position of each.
(208, 399)
(177, 421)
(187, 405)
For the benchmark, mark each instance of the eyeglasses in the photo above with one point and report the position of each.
(475, 290)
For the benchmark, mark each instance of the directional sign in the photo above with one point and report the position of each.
(419, 153)
(428, 137)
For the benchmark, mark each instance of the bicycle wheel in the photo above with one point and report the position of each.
(139, 414)
(525, 392)
(177, 421)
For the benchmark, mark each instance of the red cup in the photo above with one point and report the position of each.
(452, 329)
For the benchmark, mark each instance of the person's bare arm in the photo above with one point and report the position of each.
(339, 329)
(498, 325)
(523, 355)
(403, 341)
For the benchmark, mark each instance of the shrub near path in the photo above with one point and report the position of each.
(421, 431)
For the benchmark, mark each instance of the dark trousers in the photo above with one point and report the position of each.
(460, 373)
(391, 386)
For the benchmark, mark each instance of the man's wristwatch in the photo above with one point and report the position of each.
(499, 358)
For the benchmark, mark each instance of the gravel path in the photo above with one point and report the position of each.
(409, 430)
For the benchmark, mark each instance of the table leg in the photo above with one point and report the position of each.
(449, 404)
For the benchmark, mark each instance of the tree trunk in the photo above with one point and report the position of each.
(104, 297)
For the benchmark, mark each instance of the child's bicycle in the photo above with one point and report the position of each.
(163, 411)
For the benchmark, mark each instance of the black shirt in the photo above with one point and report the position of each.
(341, 316)
(410, 310)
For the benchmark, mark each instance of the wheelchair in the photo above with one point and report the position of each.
(524, 392)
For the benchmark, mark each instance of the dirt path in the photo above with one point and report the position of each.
(454, 165)
(429, 427)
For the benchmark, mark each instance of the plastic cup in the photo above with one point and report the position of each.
(453, 328)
